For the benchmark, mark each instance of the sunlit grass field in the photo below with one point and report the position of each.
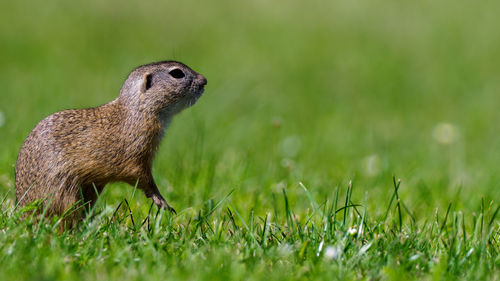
(335, 139)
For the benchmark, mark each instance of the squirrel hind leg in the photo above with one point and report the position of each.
(75, 205)
(90, 193)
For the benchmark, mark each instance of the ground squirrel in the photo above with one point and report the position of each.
(71, 155)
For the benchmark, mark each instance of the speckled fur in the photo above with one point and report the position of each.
(72, 151)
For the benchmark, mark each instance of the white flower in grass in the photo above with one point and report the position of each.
(290, 146)
(332, 252)
(371, 165)
(445, 133)
(352, 231)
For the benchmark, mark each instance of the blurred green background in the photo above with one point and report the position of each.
(319, 92)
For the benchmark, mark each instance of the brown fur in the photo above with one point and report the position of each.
(74, 153)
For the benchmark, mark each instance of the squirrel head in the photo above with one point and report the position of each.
(167, 86)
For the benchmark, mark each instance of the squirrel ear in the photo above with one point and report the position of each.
(148, 81)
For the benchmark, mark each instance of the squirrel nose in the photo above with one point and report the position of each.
(203, 80)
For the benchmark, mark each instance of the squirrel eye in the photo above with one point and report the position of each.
(177, 73)
(149, 81)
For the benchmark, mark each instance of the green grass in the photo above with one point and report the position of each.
(334, 238)
(303, 98)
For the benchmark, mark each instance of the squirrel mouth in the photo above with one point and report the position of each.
(201, 82)
(195, 93)
(201, 90)
(197, 89)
